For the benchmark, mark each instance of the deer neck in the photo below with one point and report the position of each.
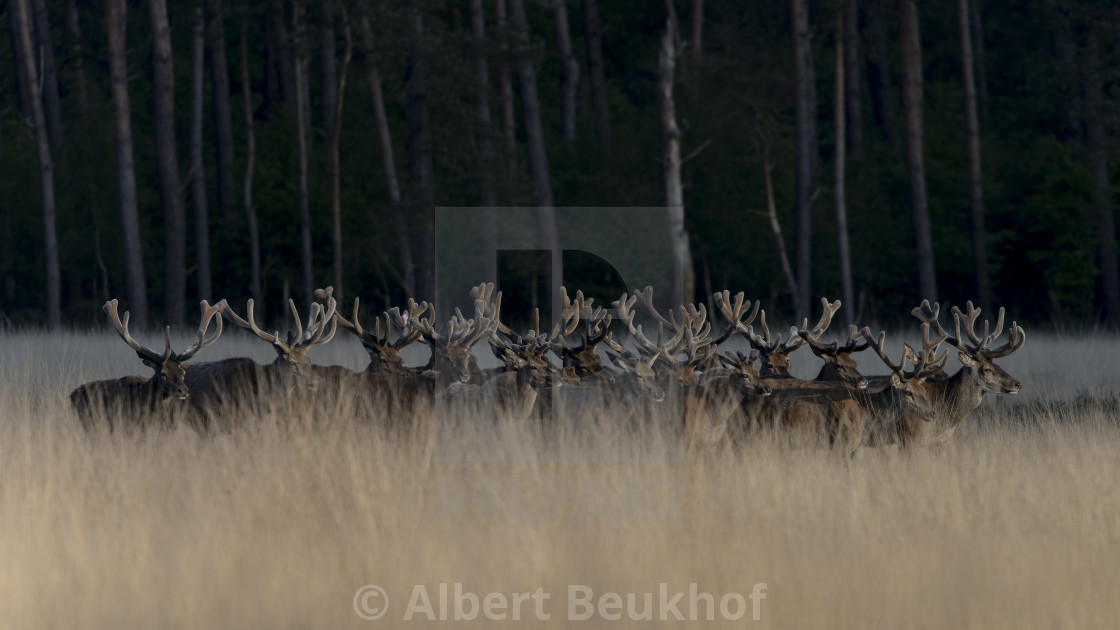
(957, 396)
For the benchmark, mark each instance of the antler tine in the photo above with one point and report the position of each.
(295, 315)
(765, 328)
(880, 348)
(795, 340)
(999, 328)
(826, 317)
(251, 324)
(645, 299)
(930, 315)
(969, 323)
(569, 318)
(928, 362)
(356, 326)
(327, 315)
(814, 342)
(110, 309)
(167, 341)
(1016, 337)
(626, 315)
(854, 339)
(208, 313)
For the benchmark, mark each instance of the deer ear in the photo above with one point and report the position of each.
(148, 362)
(966, 360)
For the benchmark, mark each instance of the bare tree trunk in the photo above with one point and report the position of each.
(482, 140)
(126, 171)
(328, 71)
(910, 43)
(509, 116)
(420, 159)
(879, 78)
(697, 33)
(198, 171)
(1098, 163)
(548, 238)
(167, 158)
(683, 280)
(284, 50)
(839, 195)
(300, 59)
(772, 210)
(975, 176)
(250, 160)
(853, 105)
(335, 166)
(21, 74)
(385, 140)
(74, 27)
(596, 69)
(977, 31)
(222, 113)
(48, 80)
(569, 71)
(20, 14)
(806, 140)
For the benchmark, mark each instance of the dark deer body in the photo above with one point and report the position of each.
(136, 400)
(228, 388)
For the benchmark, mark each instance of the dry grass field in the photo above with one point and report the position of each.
(1015, 525)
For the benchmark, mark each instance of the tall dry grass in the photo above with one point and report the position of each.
(1015, 525)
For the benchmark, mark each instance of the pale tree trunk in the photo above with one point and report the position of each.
(595, 69)
(509, 116)
(198, 173)
(977, 31)
(975, 176)
(49, 77)
(328, 69)
(683, 281)
(852, 96)
(223, 117)
(547, 236)
(74, 28)
(482, 140)
(136, 284)
(335, 165)
(167, 159)
(20, 15)
(879, 78)
(299, 57)
(910, 44)
(569, 71)
(385, 141)
(1098, 163)
(839, 193)
(420, 159)
(806, 141)
(250, 160)
(772, 211)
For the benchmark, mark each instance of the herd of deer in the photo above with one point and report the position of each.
(707, 394)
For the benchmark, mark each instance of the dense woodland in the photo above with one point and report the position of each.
(878, 151)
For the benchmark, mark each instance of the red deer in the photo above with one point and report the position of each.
(136, 400)
(957, 396)
(219, 386)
